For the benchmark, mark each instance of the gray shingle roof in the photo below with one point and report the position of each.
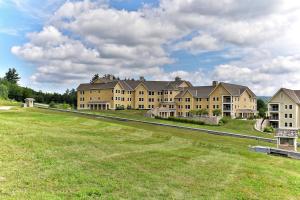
(132, 84)
(95, 86)
(293, 94)
(197, 92)
(236, 90)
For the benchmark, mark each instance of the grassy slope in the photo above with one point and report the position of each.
(245, 127)
(48, 155)
(9, 103)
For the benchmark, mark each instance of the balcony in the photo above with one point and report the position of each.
(274, 117)
(227, 99)
(273, 108)
(226, 108)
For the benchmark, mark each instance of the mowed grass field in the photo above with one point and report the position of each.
(245, 127)
(51, 155)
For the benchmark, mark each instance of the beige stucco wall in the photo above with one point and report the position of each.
(282, 99)
(219, 92)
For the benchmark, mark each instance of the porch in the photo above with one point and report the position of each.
(98, 105)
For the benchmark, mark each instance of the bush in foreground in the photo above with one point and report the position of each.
(269, 129)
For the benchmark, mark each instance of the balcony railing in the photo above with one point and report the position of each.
(274, 118)
(226, 100)
(274, 109)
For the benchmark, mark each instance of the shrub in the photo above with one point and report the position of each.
(120, 107)
(251, 118)
(224, 120)
(3, 91)
(269, 129)
(217, 112)
(52, 104)
(63, 106)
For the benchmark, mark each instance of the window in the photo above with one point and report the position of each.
(214, 106)
(291, 106)
(170, 92)
(141, 106)
(123, 91)
(286, 124)
(141, 99)
(141, 92)
(286, 107)
(179, 99)
(207, 99)
(187, 106)
(285, 115)
(217, 98)
(200, 99)
(187, 99)
(291, 124)
(171, 99)
(217, 106)
(112, 98)
(207, 106)
(166, 92)
(214, 98)
(151, 93)
(291, 115)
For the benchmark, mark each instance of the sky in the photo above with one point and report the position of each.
(58, 44)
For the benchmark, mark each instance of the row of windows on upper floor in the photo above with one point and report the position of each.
(128, 92)
(288, 124)
(167, 92)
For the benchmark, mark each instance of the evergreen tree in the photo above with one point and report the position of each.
(12, 76)
(95, 77)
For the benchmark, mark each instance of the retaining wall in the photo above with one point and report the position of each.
(167, 125)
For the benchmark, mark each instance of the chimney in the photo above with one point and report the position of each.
(142, 78)
(214, 83)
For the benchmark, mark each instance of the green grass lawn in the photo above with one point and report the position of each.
(245, 127)
(50, 155)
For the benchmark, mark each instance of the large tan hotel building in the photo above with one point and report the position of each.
(168, 98)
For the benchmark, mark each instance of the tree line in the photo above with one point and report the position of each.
(10, 89)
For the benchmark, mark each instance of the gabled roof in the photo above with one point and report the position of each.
(197, 92)
(132, 84)
(294, 95)
(236, 90)
(95, 86)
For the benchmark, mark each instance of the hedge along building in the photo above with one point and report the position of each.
(168, 98)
